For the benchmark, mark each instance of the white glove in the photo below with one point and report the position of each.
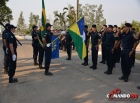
(19, 45)
(63, 32)
(14, 57)
(48, 45)
(6, 50)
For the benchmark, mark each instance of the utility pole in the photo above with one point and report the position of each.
(77, 10)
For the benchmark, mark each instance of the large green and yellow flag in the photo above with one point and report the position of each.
(78, 36)
(43, 27)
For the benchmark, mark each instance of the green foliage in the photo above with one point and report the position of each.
(5, 12)
(92, 13)
(21, 27)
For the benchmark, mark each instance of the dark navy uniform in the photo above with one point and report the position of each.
(12, 64)
(41, 52)
(126, 62)
(86, 43)
(68, 45)
(6, 58)
(94, 40)
(35, 46)
(48, 50)
(103, 47)
(110, 40)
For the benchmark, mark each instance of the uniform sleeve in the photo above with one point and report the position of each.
(99, 37)
(34, 34)
(11, 39)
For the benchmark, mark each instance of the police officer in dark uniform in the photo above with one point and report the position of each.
(41, 51)
(68, 45)
(95, 40)
(86, 43)
(128, 47)
(103, 35)
(48, 48)
(12, 52)
(5, 48)
(35, 44)
(111, 42)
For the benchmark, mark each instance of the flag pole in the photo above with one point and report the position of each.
(77, 5)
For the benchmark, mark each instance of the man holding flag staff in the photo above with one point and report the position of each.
(47, 41)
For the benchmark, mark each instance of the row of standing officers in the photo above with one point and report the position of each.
(115, 43)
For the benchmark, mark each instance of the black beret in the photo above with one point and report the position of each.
(34, 26)
(48, 24)
(110, 26)
(86, 26)
(115, 26)
(128, 25)
(94, 26)
(105, 25)
(11, 27)
(7, 25)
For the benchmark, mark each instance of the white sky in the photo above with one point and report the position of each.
(115, 11)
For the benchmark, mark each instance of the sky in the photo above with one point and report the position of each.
(115, 11)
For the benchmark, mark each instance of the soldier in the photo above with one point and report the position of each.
(41, 51)
(48, 49)
(128, 47)
(86, 42)
(68, 45)
(95, 40)
(111, 42)
(103, 35)
(12, 52)
(35, 44)
(5, 48)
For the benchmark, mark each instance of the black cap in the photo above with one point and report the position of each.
(105, 25)
(7, 25)
(11, 27)
(48, 24)
(115, 26)
(94, 26)
(34, 26)
(110, 26)
(128, 25)
(86, 26)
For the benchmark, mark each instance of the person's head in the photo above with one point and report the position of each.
(48, 26)
(127, 27)
(35, 28)
(110, 28)
(86, 27)
(115, 28)
(12, 28)
(93, 27)
(7, 25)
(104, 27)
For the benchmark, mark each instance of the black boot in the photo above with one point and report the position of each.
(91, 67)
(83, 63)
(86, 63)
(35, 63)
(40, 66)
(138, 87)
(68, 58)
(13, 80)
(95, 67)
(122, 77)
(101, 61)
(126, 78)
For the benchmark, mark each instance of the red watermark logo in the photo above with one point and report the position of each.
(117, 95)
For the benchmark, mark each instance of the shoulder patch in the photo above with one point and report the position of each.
(11, 36)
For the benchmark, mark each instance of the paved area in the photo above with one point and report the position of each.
(71, 83)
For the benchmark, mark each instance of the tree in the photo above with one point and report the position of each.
(60, 17)
(21, 27)
(31, 22)
(5, 12)
(35, 19)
